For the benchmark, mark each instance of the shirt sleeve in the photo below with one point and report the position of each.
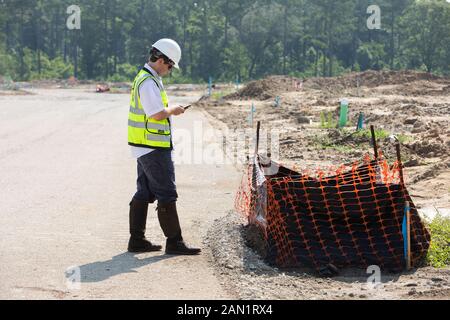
(150, 98)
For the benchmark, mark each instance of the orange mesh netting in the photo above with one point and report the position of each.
(346, 217)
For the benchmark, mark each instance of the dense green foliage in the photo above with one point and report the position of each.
(224, 39)
(439, 253)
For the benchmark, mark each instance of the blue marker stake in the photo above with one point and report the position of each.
(405, 244)
(407, 235)
(360, 122)
(251, 115)
(277, 101)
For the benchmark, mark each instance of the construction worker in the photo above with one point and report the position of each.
(150, 138)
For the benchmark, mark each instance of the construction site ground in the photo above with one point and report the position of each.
(68, 178)
(413, 106)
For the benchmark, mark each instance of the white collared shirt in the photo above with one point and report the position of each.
(151, 101)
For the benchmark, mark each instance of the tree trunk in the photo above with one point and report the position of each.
(226, 25)
(285, 26)
(52, 37)
(65, 45)
(39, 61)
(75, 58)
(330, 64)
(8, 34)
(191, 69)
(330, 41)
(250, 70)
(21, 52)
(184, 44)
(316, 64)
(106, 51)
(114, 36)
(324, 65)
(37, 25)
(392, 53)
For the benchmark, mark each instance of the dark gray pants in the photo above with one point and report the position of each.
(156, 177)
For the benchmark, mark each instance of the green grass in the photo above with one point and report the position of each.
(382, 134)
(350, 140)
(325, 142)
(379, 134)
(404, 138)
(327, 121)
(439, 252)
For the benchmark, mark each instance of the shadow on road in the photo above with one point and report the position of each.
(122, 263)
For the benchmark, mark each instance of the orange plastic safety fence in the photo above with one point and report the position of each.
(349, 216)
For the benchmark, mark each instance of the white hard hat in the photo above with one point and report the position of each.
(170, 49)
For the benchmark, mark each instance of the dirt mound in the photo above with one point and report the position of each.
(432, 172)
(430, 148)
(370, 79)
(267, 88)
(273, 86)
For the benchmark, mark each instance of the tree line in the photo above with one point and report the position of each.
(223, 39)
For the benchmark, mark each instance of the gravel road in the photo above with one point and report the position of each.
(66, 180)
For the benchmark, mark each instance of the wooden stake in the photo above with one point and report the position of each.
(408, 236)
(400, 164)
(258, 127)
(374, 141)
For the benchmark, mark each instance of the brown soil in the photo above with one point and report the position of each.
(265, 89)
(413, 106)
(389, 100)
(273, 86)
(370, 79)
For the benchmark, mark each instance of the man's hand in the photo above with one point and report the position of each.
(176, 110)
(172, 111)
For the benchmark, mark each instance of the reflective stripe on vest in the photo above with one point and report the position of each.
(159, 138)
(143, 131)
(136, 111)
(148, 125)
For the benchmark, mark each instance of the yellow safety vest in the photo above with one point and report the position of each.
(143, 131)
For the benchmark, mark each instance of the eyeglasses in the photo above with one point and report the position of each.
(169, 62)
(158, 54)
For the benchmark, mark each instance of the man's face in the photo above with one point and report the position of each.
(166, 67)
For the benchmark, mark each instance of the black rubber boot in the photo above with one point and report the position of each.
(138, 220)
(170, 224)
